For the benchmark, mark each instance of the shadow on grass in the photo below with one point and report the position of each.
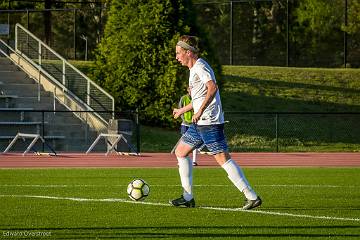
(291, 85)
(249, 130)
(240, 100)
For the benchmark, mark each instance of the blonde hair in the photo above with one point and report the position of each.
(189, 43)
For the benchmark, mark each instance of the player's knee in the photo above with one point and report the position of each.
(182, 150)
(179, 153)
(222, 157)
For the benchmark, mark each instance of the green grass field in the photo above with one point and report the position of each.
(299, 203)
(281, 89)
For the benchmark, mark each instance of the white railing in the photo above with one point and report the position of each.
(74, 83)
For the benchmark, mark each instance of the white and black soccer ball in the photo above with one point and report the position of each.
(138, 189)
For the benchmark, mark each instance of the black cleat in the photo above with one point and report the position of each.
(181, 202)
(250, 204)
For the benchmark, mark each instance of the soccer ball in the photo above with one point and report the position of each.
(138, 189)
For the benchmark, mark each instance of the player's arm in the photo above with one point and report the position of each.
(177, 112)
(211, 91)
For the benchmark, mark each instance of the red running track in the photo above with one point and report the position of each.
(146, 160)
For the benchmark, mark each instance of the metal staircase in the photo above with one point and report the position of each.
(38, 88)
(22, 111)
(70, 86)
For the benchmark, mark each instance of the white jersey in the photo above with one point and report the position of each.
(200, 74)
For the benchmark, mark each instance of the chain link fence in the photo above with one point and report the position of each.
(75, 32)
(63, 131)
(245, 131)
(292, 132)
(277, 33)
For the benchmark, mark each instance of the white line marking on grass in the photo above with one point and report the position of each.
(282, 214)
(307, 186)
(76, 199)
(168, 205)
(51, 185)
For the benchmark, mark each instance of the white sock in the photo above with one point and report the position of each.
(237, 177)
(185, 171)
(194, 155)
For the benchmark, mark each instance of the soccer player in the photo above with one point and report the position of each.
(207, 126)
(187, 119)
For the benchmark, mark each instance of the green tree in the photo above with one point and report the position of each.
(352, 28)
(136, 58)
(321, 16)
(9, 4)
(317, 32)
(353, 25)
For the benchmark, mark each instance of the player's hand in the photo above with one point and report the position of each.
(196, 117)
(176, 113)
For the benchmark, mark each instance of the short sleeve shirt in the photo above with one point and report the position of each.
(187, 116)
(200, 74)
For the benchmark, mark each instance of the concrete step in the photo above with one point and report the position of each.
(22, 116)
(8, 74)
(70, 135)
(7, 101)
(8, 67)
(23, 90)
(19, 114)
(43, 106)
(5, 62)
(46, 102)
(57, 118)
(61, 118)
(25, 79)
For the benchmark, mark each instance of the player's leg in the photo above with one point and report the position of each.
(183, 130)
(237, 177)
(216, 143)
(185, 169)
(188, 142)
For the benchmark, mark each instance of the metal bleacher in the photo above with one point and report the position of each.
(41, 93)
